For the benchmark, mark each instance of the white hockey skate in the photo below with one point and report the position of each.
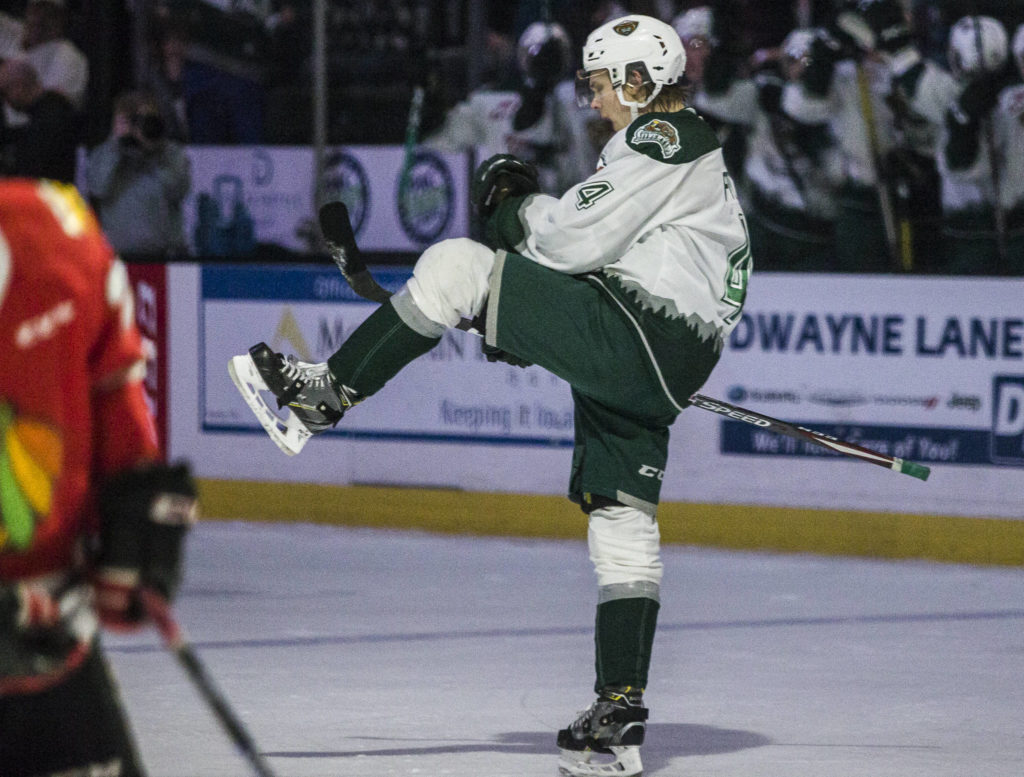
(612, 728)
(313, 400)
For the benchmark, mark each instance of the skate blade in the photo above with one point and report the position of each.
(575, 763)
(288, 432)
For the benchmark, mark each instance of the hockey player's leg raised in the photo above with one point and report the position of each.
(449, 282)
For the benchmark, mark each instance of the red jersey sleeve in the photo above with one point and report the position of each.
(125, 430)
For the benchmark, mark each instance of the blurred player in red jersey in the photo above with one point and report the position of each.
(89, 513)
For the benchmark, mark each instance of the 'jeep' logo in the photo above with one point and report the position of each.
(626, 27)
(660, 132)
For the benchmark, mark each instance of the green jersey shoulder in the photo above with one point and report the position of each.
(673, 138)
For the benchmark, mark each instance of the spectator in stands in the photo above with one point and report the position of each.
(138, 179)
(166, 78)
(43, 42)
(45, 145)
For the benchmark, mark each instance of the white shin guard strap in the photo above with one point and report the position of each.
(625, 548)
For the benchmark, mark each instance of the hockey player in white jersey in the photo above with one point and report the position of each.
(846, 85)
(626, 287)
(717, 93)
(980, 160)
(791, 169)
(1008, 136)
(537, 119)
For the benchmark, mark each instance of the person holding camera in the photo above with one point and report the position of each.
(138, 179)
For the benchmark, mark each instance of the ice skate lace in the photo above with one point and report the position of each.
(312, 374)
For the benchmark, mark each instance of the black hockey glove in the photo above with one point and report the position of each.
(145, 514)
(826, 50)
(978, 98)
(499, 177)
(493, 354)
(876, 25)
(888, 21)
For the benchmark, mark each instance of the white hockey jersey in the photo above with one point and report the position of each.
(1008, 134)
(658, 223)
(856, 107)
(779, 162)
(556, 143)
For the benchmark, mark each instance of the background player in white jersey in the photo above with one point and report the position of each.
(846, 84)
(978, 170)
(719, 88)
(1008, 136)
(791, 169)
(537, 119)
(626, 287)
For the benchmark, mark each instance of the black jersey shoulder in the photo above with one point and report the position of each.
(673, 138)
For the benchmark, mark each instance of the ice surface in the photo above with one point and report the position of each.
(359, 652)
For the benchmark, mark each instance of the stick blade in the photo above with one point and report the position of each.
(915, 470)
(335, 222)
(336, 226)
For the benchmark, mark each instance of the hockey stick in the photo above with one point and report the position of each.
(412, 131)
(341, 241)
(338, 232)
(160, 612)
(897, 235)
(418, 62)
(915, 470)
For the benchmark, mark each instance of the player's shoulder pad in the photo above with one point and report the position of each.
(68, 208)
(673, 138)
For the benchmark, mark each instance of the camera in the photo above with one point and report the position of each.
(149, 125)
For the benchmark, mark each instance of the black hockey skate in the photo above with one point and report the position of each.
(613, 725)
(315, 401)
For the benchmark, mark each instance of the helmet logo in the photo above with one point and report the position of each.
(660, 132)
(626, 27)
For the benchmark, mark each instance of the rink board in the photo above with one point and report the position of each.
(931, 369)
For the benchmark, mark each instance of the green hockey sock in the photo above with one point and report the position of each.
(379, 348)
(623, 639)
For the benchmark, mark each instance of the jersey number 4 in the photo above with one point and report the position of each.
(739, 260)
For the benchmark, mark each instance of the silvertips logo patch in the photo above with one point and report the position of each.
(626, 28)
(660, 132)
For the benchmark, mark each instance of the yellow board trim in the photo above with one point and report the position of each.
(740, 527)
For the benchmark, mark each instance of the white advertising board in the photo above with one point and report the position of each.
(927, 369)
(267, 192)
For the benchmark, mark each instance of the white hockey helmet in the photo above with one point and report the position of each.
(695, 23)
(640, 43)
(977, 45)
(1018, 49)
(797, 44)
(544, 46)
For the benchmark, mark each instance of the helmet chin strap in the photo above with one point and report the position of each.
(634, 107)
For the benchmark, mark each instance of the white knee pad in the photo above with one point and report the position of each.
(451, 280)
(625, 548)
